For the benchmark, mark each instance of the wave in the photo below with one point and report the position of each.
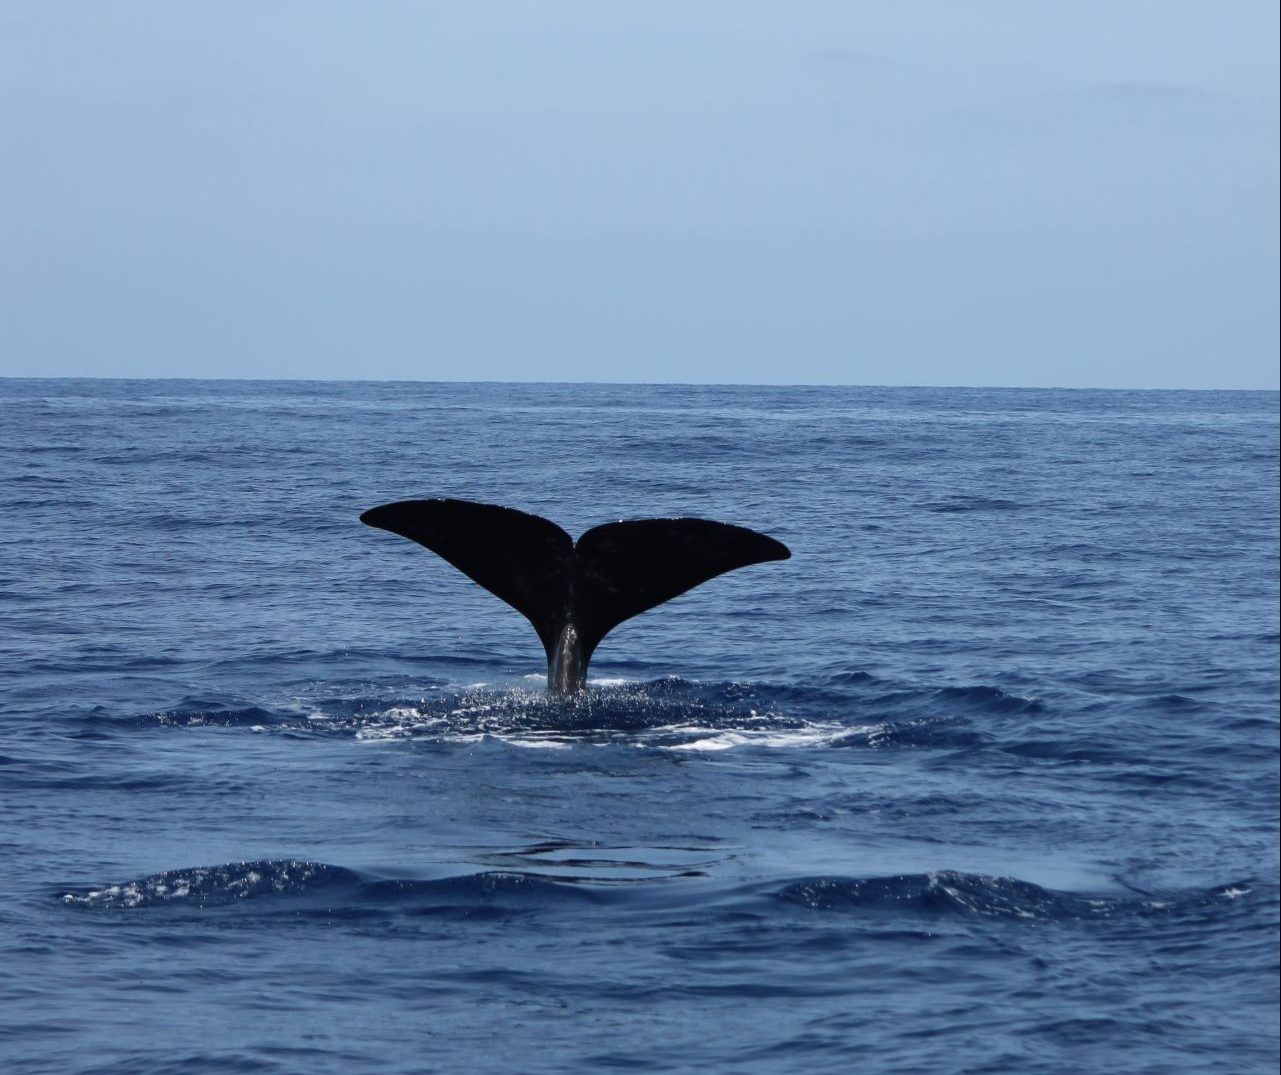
(300, 886)
(331, 890)
(214, 886)
(974, 503)
(950, 893)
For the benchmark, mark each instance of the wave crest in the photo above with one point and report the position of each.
(950, 893)
(214, 886)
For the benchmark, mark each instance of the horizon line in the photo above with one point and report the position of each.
(633, 384)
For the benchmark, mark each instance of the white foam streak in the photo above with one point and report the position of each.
(713, 739)
(529, 720)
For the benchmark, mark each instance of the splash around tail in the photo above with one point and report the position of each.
(574, 592)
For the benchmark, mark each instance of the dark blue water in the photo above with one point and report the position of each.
(983, 779)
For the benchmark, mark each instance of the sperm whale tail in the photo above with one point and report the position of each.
(574, 593)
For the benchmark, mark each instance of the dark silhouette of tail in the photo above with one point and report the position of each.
(613, 572)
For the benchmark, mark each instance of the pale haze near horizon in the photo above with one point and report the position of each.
(931, 193)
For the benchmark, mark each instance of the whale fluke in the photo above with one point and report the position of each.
(521, 559)
(574, 593)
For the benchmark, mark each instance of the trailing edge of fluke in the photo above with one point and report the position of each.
(574, 593)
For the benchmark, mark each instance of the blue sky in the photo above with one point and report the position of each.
(977, 193)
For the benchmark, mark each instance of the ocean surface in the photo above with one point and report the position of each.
(983, 779)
